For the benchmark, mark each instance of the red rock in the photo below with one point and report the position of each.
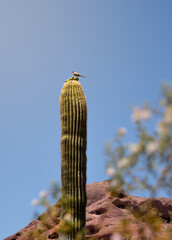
(104, 214)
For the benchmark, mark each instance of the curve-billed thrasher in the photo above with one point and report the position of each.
(77, 74)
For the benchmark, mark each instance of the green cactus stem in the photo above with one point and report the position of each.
(73, 110)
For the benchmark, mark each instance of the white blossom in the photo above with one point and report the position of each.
(35, 202)
(162, 128)
(110, 171)
(168, 115)
(116, 236)
(136, 114)
(141, 114)
(43, 193)
(152, 147)
(134, 148)
(68, 217)
(145, 114)
(123, 162)
(122, 131)
(114, 183)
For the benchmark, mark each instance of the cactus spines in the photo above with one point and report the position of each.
(73, 111)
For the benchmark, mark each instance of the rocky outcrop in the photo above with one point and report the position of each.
(104, 214)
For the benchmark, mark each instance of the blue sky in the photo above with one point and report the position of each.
(122, 47)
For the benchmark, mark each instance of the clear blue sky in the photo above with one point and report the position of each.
(125, 50)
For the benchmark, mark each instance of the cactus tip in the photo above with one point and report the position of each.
(72, 78)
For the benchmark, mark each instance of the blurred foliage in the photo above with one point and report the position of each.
(46, 198)
(145, 164)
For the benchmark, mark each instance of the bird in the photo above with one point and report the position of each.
(77, 74)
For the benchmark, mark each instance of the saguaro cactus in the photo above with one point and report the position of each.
(73, 111)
